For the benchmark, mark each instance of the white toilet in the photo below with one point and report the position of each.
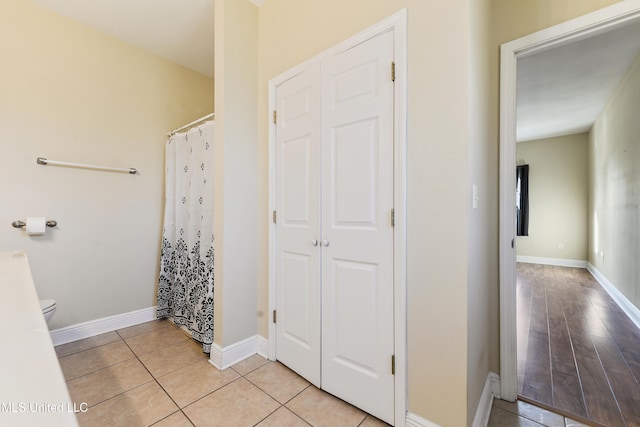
(48, 307)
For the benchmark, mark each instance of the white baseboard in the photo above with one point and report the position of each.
(627, 306)
(223, 358)
(490, 390)
(495, 385)
(414, 420)
(101, 326)
(263, 346)
(561, 262)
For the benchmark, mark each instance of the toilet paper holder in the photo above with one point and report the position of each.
(20, 224)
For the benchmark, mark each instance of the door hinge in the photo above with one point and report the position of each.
(513, 243)
(274, 116)
(393, 71)
(393, 217)
(274, 217)
(274, 316)
(393, 364)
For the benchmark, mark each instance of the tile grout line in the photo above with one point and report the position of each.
(135, 356)
(158, 382)
(245, 376)
(211, 392)
(282, 405)
(87, 349)
(160, 385)
(106, 367)
(241, 376)
(99, 369)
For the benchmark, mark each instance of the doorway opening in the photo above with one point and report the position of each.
(512, 53)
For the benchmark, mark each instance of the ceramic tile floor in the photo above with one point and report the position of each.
(154, 374)
(522, 414)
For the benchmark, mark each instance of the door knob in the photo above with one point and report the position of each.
(325, 243)
(315, 242)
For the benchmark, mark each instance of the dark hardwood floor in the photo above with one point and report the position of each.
(578, 352)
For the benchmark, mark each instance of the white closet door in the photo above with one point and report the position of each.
(357, 234)
(298, 224)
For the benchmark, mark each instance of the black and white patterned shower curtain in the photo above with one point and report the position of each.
(185, 288)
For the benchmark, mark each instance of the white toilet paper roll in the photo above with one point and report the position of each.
(36, 226)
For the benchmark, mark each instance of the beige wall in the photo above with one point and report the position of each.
(236, 148)
(558, 197)
(614, 174)
(72, 94)
(284, 43)
(482, 277)
(452, 144)
(438, 147)
(515, 19)
(453, 334)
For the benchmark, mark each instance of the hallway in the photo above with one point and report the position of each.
(578, 352)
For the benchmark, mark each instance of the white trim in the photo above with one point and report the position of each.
(273, 83)
(262, 346)
(561, 262)
(397, 23)
(413, 420)
(489, 392)
(100, 326)
(507, 227)
(582, 27)
(258, 2)
(495, 385)
(627, 306)
(225, 357)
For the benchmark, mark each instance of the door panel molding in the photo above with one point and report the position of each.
(357, 191)
(297, 261)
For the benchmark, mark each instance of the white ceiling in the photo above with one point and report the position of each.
(563, 90)
(181, 31)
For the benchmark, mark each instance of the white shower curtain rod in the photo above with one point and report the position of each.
(193, 123)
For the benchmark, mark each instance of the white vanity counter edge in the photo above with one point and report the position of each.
(32, 388)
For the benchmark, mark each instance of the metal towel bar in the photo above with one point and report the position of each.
(43, 161)
(20, 224)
